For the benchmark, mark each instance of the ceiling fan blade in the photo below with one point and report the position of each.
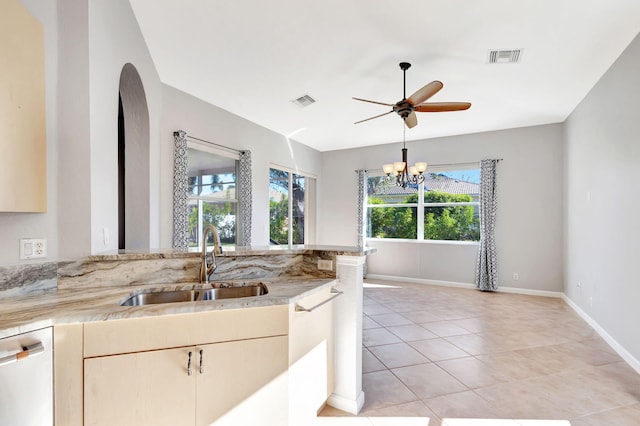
(371, 118)
(372, 102)
(411, 120)
(425, 93)
(442, 106)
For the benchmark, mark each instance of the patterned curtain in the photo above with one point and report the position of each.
(244, 199)
(180, 189)
(487, 270)
(362, 200)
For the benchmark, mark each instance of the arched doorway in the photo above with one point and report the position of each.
(133, 162)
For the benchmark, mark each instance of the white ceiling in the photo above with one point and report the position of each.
(252, 57)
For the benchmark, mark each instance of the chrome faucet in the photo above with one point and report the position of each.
(206, 268)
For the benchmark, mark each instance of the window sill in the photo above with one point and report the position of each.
(437, 242)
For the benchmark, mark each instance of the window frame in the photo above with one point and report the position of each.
(309, 203)
(421, 205)
(200, 199)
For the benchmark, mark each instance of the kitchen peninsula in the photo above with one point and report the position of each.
(89, 324)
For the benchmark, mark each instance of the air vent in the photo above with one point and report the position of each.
(507, 56)
(303, 101)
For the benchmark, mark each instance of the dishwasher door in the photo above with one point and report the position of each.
(26, 379)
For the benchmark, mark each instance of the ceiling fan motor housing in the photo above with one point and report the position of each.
(403, 108)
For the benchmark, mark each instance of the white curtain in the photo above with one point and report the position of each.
(487, 269)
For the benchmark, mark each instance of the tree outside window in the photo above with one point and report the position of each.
(448, 209)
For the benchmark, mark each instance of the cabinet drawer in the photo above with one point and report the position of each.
(169, 331)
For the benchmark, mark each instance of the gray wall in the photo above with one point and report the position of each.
(602, 169)
(14, 226)
(182, 111)
(529, 221)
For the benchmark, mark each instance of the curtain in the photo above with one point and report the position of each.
(362, 208)
(244, 199)
(487, 269)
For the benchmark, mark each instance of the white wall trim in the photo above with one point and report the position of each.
(630, 359)
(467, 285)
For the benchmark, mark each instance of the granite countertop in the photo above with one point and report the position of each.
(28, 312)
(238, 251)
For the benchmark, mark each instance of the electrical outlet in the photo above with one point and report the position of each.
(516, 276)
(33, 248)
(325, 265)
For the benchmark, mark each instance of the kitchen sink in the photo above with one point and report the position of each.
(224, 292)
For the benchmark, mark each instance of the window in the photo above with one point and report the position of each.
(290, 215)
(212, 197)
(444, 207)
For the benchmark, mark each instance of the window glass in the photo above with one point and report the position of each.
(212, 198)
(448, 210)
(288, 215)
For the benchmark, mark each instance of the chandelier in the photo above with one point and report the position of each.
(404, 173)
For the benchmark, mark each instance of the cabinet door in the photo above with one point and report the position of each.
(141, 388)
(243, 383)
(310, 357)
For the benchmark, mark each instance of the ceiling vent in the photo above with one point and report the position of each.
(303, 101)
(507, 56)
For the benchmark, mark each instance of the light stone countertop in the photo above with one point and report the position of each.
(36, 310)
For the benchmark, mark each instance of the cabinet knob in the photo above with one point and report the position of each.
(189, 364)
(201, 362)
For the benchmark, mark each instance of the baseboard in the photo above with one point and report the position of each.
(630, 359)
(347, 404)
(514, 290)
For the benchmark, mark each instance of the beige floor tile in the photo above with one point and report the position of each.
(411, 332)
(463, 404)
(398, 355)
(378, 336)
(515, 366)
(438, 349)
(535, 359)
(370, 362)
(473, 372)
(428, 380)
(409, 409)
(376, 309)
(389, 320)
(383, 389)
(368, 322)
(445, 328)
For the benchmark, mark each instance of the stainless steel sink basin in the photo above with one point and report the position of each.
(233, 292)
(257, 289)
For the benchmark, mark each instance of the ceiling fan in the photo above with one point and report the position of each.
(407, 107)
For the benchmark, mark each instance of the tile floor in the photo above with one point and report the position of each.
(444, 353)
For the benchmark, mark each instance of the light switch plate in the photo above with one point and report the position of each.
(33, 248)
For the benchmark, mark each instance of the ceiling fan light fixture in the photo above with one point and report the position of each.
(387, 169)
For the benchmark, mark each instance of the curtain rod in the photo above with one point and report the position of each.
(472, 163)
(216, 144)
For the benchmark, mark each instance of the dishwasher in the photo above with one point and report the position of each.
(26, 379)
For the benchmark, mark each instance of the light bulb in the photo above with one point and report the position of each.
(413, 170)
(421, 167)
(387, 168)
(399, 166)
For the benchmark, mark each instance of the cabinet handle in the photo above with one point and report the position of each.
(335, 293)
(27, 351)
(201, 362)
(189, 364)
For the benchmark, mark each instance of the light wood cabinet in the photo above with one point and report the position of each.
(310, 356)
(136, 371)
(23, 162)
(241, 382)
